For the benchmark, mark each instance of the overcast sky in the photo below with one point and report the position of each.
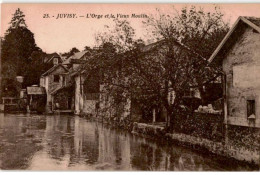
(60, 35)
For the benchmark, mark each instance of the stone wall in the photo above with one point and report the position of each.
(218, 148)
(202, 125)
(242, 137)
(236, 146)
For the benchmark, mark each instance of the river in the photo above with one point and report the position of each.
(39, 142)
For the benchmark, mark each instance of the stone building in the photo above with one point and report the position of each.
(87, 94)
(54, 81)
(82, 104)
(59, 82)
(239, 56)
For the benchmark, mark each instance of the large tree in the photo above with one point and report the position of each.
(187, 39)
(197, 29)
(160, 73)
(18, 44)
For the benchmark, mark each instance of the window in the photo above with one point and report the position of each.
(55, 61)
(250, 108)
(56, 78)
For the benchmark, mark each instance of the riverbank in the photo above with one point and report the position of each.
(227, 151)
(222, 149)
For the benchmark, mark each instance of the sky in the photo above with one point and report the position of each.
(62, 34)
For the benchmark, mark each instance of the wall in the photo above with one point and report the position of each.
(240, 148)
(202, 125)
(241, 68)
(89, 106)
(244, 137)
(50, 86)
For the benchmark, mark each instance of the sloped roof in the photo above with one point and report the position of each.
(252, 22)
(51, 56)
(77, 55)
(36, 90)
(54, 68)
(151, 46)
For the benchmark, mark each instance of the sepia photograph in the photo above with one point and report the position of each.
(130, 87)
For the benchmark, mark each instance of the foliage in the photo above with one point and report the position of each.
(159, 73)
(198, 30)
(121, 35)
(87, 48)
(17, 20)
(70, 53)
(18, 44)
(37, 67)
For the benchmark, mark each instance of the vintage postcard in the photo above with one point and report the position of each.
(130, 87)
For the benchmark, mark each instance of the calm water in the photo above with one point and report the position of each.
(38, 142)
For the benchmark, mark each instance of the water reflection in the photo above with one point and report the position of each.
(72, 143)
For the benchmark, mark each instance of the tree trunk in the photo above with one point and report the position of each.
(202, 95)
(170, 120)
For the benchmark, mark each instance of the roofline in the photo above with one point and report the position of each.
(52, 58)
(179, 43)
(229, 33)
(79, 52)
(53, 68)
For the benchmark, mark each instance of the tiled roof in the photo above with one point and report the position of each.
(53, 68)
(50, 56)
(77, 55)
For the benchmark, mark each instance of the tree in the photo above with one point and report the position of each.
(70, 53)
(17, 20)
(107, 62)
(160, 73)
(198, 30)
(87, 48)
(121, 35)
(18, 44)
(189, 37)
(37, 66)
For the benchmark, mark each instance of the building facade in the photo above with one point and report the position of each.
(53, 81)
(238, 55)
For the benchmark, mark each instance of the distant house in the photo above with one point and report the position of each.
(239, 56)
(36, 98)
(75, 60)
(54, 81)
(86, 87)
(53, 58)
(87, 93)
